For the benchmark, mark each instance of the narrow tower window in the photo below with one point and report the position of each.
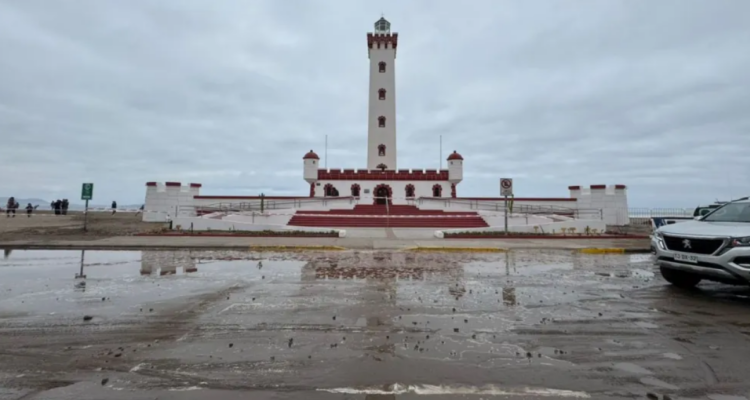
(437, 190)
(381, 94)
(410, 190)
(381, 67)
(381, 122)
(381, 150)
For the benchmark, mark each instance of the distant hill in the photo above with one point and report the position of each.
(44, 204)
(23, 202)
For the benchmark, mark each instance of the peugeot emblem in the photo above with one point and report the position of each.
(686, 244)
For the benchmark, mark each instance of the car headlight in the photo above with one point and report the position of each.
(659, 240)
(740, 242)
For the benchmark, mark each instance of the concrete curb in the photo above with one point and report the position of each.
(231, 235)
(613, 250)
(458, 249)
(297, 248)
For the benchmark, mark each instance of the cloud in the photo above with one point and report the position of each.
(232, 94)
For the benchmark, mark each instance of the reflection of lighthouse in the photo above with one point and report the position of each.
(167, 262)
(377, 276)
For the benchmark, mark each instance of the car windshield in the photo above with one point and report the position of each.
(732, 212)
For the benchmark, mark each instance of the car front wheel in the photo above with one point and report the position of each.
(680, 279)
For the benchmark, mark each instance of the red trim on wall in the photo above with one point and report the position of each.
(173, 183)
(150, 183)
(195, 185)
(574, 188)
(517, 198)
(350, 175)
(598, 186)
(251, 197)
(620, 187)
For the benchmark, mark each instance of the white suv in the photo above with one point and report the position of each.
(714, 247)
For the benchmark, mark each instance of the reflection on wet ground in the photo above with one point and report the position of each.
(363, 325)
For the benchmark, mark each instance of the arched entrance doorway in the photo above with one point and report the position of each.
(330, 191)
(381, 194)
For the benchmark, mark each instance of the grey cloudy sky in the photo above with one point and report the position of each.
(231, 94)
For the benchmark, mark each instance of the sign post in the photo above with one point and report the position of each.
(87, 193)
(506, 190)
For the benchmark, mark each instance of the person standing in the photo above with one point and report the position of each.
(29, 209)
(114, 207)
(10, 208)
(65, 204)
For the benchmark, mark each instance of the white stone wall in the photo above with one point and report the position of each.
(387, 108)
(165, 199)
(239, 224)
(305, 203)
(580, 226)
(612, 200)
(421, 189)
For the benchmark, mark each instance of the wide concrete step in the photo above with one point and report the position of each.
(405, 222)
(369, 212)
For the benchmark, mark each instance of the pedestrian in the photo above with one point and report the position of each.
(58, 207)
(29, 209)
(114, 207)
(10, 207)
(65, 204)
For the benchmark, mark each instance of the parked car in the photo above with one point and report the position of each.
(715, 247)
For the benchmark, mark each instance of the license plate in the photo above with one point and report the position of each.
(686, 258)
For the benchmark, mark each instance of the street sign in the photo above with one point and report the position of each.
(87, 191)
(506, 187)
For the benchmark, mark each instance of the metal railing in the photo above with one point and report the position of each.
(270, 204)
(483, 205)
(660, 212)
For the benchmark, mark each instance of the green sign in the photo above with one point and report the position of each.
(87, 191)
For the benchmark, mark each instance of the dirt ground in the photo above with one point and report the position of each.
(45, 226)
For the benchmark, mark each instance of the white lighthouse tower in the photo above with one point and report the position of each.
(381, 124)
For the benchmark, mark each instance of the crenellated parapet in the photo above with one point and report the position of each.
(165, 198)
(612, 200)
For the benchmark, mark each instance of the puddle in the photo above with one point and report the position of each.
(651, 381)
(632, 368)
(435, 390)
(353, 321)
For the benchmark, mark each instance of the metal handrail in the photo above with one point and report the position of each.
(270, 204)
(518, 208)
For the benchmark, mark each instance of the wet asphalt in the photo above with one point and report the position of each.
(364, 325)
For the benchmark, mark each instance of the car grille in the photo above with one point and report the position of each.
(697, 246)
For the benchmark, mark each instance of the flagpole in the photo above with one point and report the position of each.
(441, 152)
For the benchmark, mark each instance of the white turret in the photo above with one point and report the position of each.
(312, 163)
(455, 168)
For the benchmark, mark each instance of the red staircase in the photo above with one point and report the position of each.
(395, 216)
